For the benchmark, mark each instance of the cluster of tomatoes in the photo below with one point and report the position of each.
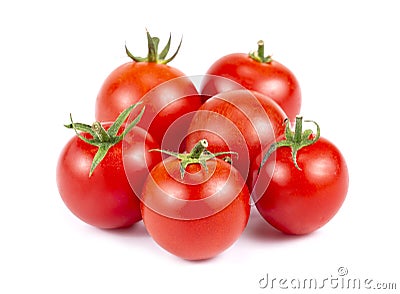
(190, 155)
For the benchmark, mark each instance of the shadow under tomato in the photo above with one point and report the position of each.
(260, 230)
(137, 230)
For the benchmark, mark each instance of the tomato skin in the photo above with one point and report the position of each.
(301, 201)
(199, 216)
(272, 79)
(106, 199)
(127, 84)
(165, 91)
(241, 121)
(169, 108)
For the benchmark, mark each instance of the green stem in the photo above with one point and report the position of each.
(101, 132)
(259, 55)
(298, 129)
(152, 55)
(105, 139)
(294, 140)
(152, 44)
(260, 49)
(198, 155)
(198, 149)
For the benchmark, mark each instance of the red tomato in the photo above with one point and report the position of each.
(130, 82)
(241, 121)
(105, 198)
(199, 215)
(127, 84)
(300, 199)
(258, 73)
(169, 109)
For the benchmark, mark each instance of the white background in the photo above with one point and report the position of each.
(53, 58)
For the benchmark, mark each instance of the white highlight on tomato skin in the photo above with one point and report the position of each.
(280, 173)
(320, 169)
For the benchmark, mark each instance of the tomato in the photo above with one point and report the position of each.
(169, 109)
(258, 73)
(96, 189)
(130, 82)
(242, 121)
(127, 84)
(303, 186)
(195, 207)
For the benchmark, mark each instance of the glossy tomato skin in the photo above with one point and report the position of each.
(199, 216)
(127, 84)
(272, 79)
(241, 121)
(106, 199)
(301, 201)
(165, 91)
(169, 109)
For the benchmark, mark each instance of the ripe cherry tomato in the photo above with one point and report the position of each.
(131, 81)
(303, 185)
(256, 72)
(169, 109)
(95, 188)
(242, 121)
(195, 206)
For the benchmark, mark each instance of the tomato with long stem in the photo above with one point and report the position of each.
(143, 79)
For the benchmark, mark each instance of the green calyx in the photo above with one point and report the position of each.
(296, 140)
(198, 155)
(153, 55)
(259, 54)
(102, 138)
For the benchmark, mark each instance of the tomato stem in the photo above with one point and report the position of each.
(259, 54)
(298, 129)
(101, 133)
(153, 56)
(260, 49)
(198, 155)
(294, 140)
(102, 138)
(198, 149)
